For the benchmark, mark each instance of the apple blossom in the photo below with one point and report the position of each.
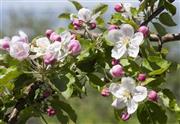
(105, 92)
(51, 111)
(118, 7)
(4, 43)
(49, 58)
(48, 33)
(127, 94)
(144, 30)
(39, 47)
(86, 15)
(152, 95)
(125, 116)
(55, 37)
(117, 71)
(92, 26)
(21, 38)
(141, 77)
(19, 50)
(125, 41)
(74, 47)
(112, 27)
(114, 61)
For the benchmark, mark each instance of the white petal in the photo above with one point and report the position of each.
(118, 51)
(127, 30)
(116, 90)
(137, 39)
(24, 36)
(43, 42)
(114, 36)
(140, 93)
(85, 14)
(131, 106)
(128, 83)
(127, 7)
(133, 51)
(15, 39)
(118, 103)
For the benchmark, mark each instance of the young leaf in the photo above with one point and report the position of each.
(170, 7)
(159, 28)
(76, 4)
(166, 19)
(151, 113)
(64, 15)
(100, 8)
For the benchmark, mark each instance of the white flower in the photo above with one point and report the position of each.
(127, 94)
(86, 15)
(19, 46)
(19, 50)
(125, 41)
(21, 38)
(40, 47)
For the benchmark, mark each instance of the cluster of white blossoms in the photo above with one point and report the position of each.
(52, 48)
(18, 46)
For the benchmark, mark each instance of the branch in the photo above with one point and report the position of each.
(11, 118)
(154, 14)
(166, 38)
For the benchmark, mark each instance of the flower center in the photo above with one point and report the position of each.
(127, 94)
(125, 40)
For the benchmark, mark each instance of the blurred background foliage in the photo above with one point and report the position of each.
(34, 17)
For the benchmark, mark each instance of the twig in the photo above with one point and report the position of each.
(154, 14)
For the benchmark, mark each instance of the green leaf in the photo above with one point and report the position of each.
(76, 4)
(151, 113)
(166, 19)
(64, 15)
(96, 80)
(69, 91)
(7, 75)
(170, 101)
(159, 28)
(170, 7)
(69, 110)
(102, 8)
(62, 107)
(100, 21)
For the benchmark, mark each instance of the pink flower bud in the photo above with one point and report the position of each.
(77, 22)
(46, 94)
(74, 47)
(48, 33)
(152, 95)
(114, 61)
(49, 58)
(144, 30)
(105, 92)
(76, 27)
(117, 71)
(141, 77)
(118, 7)
(125, 116)
(55, 37)
(51, 111)
(92, 26)
(5, 43)
(112, 27)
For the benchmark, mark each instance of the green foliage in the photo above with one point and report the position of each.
(159, 28)
(170, 7)
(102, 8)
(151, 113)
(166, 19)
(77, 5)
(64, 15)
